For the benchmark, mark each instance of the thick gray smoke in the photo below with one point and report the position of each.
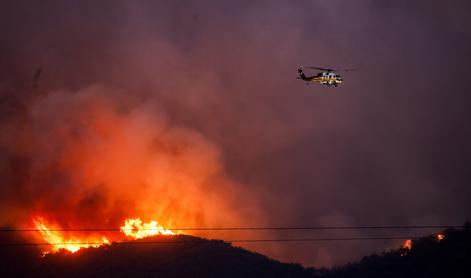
(391, 146)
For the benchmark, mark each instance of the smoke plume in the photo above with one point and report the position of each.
(190, 113)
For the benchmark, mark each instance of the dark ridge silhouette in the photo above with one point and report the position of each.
(178, 256)
(188, 256)
(429, 257)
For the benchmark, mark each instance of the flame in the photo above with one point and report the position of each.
(440, 237)
(72, 242)
(407, 244)
(134, 227)
(59, 241)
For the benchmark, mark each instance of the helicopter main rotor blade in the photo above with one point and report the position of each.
(331, 70)
(318, 68)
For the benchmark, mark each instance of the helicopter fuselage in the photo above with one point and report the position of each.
(324, 78)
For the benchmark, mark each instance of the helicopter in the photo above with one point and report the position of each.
(329, 77)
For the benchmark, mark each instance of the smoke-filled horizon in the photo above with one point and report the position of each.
(191, 111)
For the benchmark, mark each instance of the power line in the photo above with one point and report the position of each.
(317, 239)
(260, 240)
(413, 227)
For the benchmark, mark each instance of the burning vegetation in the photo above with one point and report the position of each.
(62, 240)
(98, 157)
(73, 240)
(407, 244)
(440, 237)
(136, 229)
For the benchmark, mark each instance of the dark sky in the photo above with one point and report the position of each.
(391, 146)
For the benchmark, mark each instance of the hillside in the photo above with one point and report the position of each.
(187, 256)
(180, 256)
(428, 257)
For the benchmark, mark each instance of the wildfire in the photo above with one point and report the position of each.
(136, 229)
(59, 241)
(440, 237)
(74, 241)
(407, 244)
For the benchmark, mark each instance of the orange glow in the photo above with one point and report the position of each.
(407, 244)
(59, 241)
(136, 229)
(440, 237)
(118, 158)
(75, 240)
